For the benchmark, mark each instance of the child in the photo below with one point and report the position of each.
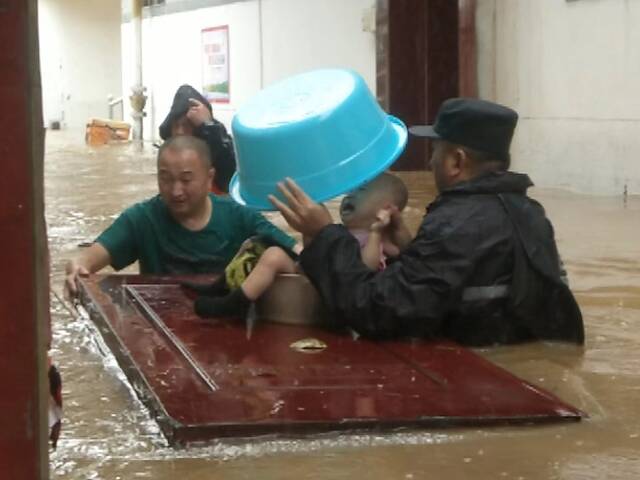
(372, 215)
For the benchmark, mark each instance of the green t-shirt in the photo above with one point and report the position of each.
(148, 233)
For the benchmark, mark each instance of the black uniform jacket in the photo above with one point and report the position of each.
(214, 133)
(483, 269)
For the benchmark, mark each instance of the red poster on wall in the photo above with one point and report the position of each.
(215, 64)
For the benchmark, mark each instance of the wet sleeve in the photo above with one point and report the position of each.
(256, 224)
(409, 298)
(221, 146)
(120, 241)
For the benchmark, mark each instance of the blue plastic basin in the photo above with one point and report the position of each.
(322, 128)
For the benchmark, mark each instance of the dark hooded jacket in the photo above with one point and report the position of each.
(216, 136)
(483, 269)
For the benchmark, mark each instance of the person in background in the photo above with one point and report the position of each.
(191, 114)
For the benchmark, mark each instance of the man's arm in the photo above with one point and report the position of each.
(409, 298)
(371, 250)
(373, 246)
(256, 224)
(399, 233)
(91, 260)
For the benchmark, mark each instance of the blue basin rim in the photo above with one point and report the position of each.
(332, 190)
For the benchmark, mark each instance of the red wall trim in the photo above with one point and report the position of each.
(23, 435)
(425, 53)
(467, 53)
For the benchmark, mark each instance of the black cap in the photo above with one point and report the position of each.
(477, 124)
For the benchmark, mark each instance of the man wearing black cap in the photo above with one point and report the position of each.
(483, 268)
(191, 114)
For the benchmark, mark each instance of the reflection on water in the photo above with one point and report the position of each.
(108, 434)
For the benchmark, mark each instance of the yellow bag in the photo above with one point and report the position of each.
(243, 263)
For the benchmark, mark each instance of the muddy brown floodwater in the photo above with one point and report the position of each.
(107, 434)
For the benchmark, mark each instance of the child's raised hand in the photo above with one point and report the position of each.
(397, 230)
(396, 221)
(383, 219)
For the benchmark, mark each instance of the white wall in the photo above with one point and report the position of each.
(301, 35)
(80, 58)
(571, 69)
(293, 35)
(171, 56)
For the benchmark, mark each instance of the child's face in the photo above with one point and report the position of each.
(359, 207)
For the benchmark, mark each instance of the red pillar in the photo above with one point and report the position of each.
(23, 390)
(468, 77)
(425, 53)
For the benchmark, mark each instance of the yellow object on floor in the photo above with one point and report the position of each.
(100, 131)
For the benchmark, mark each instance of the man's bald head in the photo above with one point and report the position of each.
(181, 143)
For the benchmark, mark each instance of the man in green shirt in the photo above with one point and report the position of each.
(185, 229)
